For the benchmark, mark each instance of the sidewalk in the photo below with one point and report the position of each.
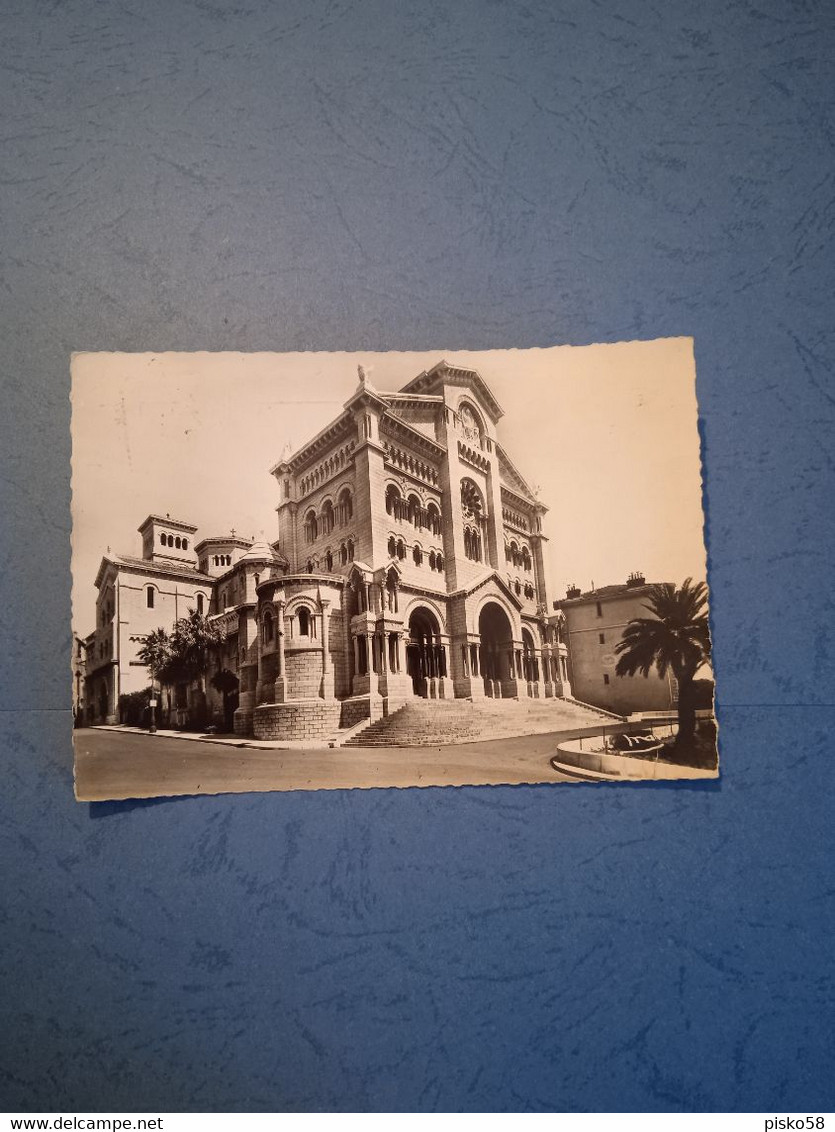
(221, 740)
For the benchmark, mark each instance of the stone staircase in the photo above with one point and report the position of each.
(434, 723)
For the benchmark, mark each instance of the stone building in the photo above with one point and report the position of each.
(409, 563)
(594, 623)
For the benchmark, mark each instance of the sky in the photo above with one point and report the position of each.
(607, 434)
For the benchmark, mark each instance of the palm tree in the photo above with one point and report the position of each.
(676, 638)
(184, 656)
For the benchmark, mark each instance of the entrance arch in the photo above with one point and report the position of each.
(425, 655)
(496, 651)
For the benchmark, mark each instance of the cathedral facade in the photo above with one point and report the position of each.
(409, 563)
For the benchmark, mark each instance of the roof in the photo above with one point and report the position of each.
(435, 376)
(178, 524)
(226, 540)
(160, 569)
(607, 593)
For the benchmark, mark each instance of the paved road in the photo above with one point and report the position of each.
(112, 765)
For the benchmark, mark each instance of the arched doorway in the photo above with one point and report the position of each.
(425, 655)
(496, 651)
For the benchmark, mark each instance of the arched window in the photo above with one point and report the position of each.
(185, 544)
(392, 546)
(526, 558)
(268, 627)
(393, 502)
(310, 566)
(329, 561)
(304, 622)
(350, 545)
(327, 518)
(433, 519)
(346, 507)
(391, 591)
(413, 511)
(310, 526)
(177, 542)
(431, 559)
(439, 562)
(199, 603)
(417, 554)
(149, 597)
(343, 554)
(517, 588)
(471, 425)
(162, 539)
(401, 549)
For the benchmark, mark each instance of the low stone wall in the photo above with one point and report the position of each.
(571, 753)
(354, 711)
(297, 719)
(242, 722)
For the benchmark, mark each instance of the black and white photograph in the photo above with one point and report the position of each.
(332, 571)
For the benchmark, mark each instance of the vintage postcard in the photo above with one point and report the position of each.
(331, 570)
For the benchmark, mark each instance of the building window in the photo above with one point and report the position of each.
(329, 561)
(310, 526)
(343, 554)
(413, 511)
(417, 554)
(602, 637)
(439, 562)
(401, 549)
(185, 544)
(327, 518)
(304, 623)
(177, 542)
(605, 677)
(149, 597)
(199, 603)
(346, 507)
(394, 504)
(431, 559)
(162, 539)
(309, 566)
(599, 610)
(350, 546)
(268, 627)
(392, 546)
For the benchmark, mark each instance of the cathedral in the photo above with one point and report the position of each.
(409, 563)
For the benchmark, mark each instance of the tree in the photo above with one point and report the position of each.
(184, 656)
(155, 653)
(193, 641)
(675, 638)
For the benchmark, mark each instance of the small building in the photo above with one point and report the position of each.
(136, 596)
(594, 623)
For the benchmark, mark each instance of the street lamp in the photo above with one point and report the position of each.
(152, 730)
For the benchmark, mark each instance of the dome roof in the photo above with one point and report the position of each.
(261, 551)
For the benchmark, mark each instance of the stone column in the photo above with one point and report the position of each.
(327, 669)
(281, 678)
(259, 683)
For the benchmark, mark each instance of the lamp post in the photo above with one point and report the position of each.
(152, 730)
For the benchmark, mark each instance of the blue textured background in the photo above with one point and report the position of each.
(366, 175)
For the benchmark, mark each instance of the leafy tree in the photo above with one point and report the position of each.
(156, 654)
(184, 655)
(194, 640)
(675, 638)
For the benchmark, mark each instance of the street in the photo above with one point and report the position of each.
(115, 765)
